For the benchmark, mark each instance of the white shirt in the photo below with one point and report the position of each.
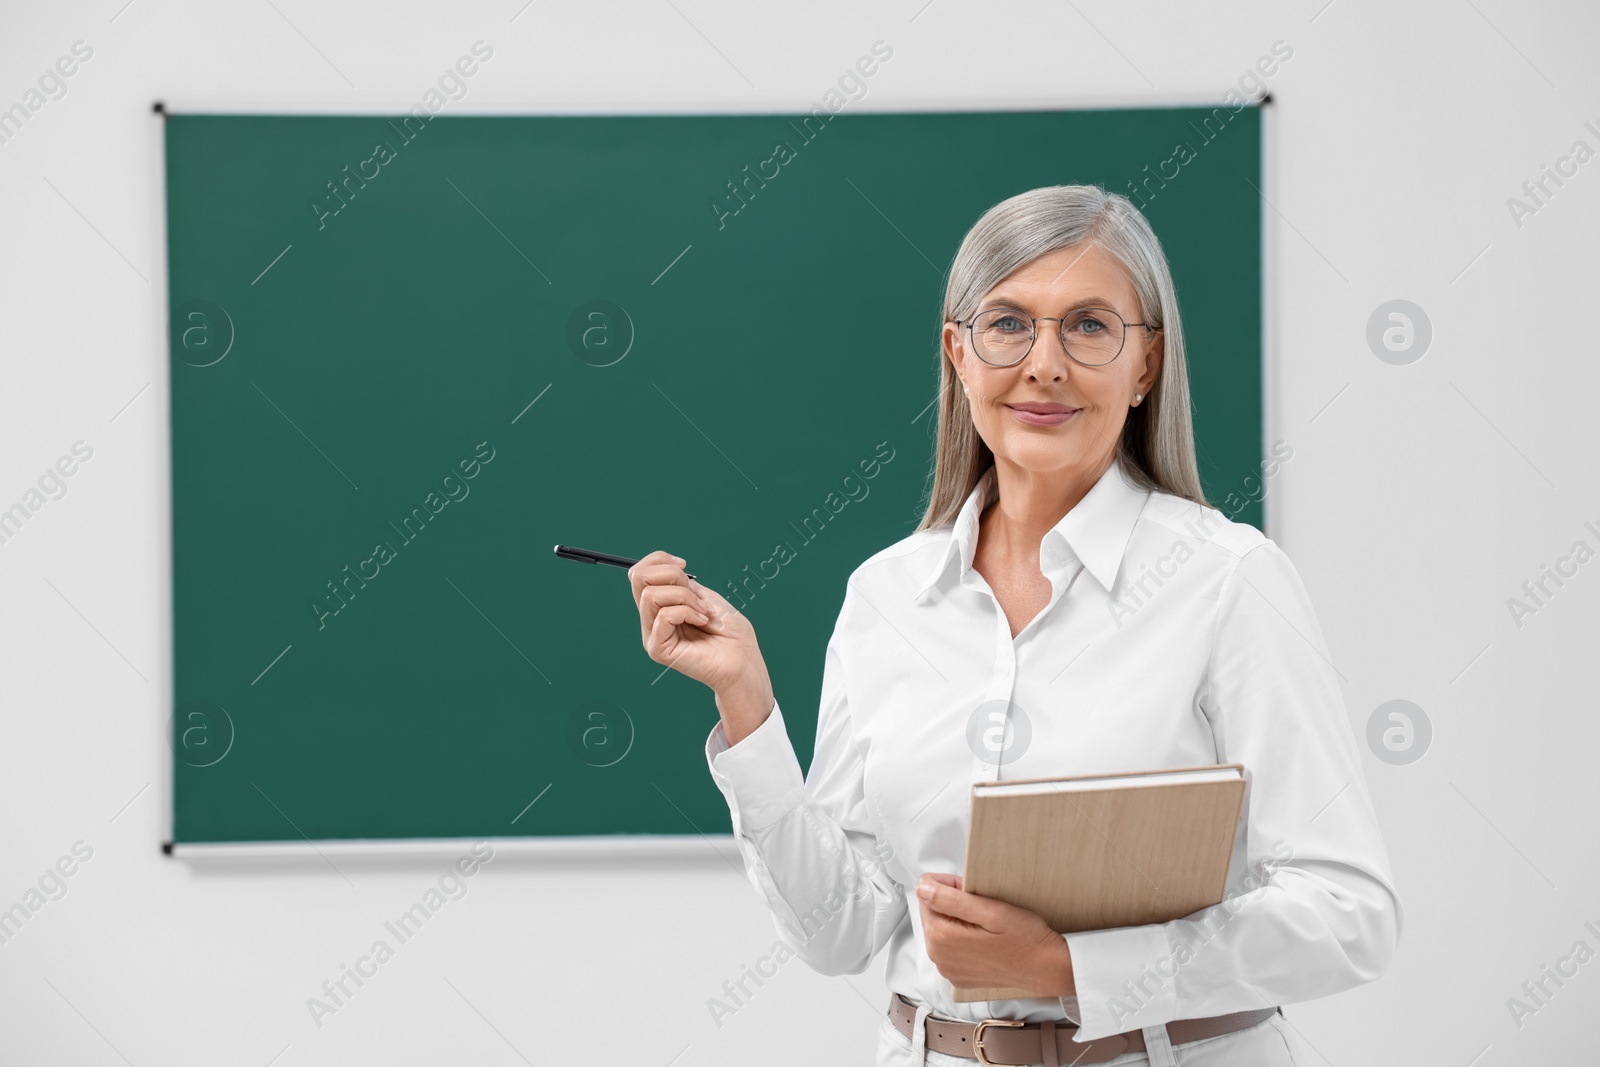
(1173, 637)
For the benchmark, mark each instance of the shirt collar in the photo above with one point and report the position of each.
(1096, 531)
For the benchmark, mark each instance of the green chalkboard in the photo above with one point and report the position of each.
(407, 358)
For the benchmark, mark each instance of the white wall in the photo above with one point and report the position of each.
(1415, 505)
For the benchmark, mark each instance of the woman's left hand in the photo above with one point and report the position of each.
(984, 942)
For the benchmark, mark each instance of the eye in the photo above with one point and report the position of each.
(1003, 322)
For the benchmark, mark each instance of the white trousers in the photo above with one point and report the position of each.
(1274, 1043)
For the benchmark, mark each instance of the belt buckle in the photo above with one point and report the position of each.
(977, 1039)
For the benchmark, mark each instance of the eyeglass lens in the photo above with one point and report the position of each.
(1092, 336)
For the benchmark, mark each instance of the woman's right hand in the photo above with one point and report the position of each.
(693, 630)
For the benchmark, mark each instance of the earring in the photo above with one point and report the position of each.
(1137, 397)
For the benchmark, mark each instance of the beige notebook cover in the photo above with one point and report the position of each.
(1090, 852)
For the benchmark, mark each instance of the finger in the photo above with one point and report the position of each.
(660, 641)
(650, 568)
(663, 638)
(660, 596)
(930, 879)
(930, 919)
(652, 572)
(711, 602)
(969, 907)
(656, 597)
(937, 928)
(653, 559)
(714, 603)
(642, 574)
(681, 615)
(665, 576)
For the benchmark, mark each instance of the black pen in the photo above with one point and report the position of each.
(583, 555)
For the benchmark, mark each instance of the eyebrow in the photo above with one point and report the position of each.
(1081, 302)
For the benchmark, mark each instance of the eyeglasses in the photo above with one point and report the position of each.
(1092, 337)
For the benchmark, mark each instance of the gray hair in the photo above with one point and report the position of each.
(1157, 445)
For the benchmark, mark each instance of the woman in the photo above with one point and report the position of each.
(1069, 581)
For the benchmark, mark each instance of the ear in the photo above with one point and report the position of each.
(953, 340)
(1155, 349)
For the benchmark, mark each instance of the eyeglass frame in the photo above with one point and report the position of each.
(1033, 328)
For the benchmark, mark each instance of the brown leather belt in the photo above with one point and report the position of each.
(1007, 1041)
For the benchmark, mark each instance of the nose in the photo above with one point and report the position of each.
(1047, 357)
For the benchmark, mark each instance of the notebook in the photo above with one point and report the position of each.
(1089, 852)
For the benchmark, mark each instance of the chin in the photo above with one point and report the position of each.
(1038, 453)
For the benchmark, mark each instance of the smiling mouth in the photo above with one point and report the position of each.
(1052, 415)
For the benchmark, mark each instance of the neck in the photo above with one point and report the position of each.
(1031, 503)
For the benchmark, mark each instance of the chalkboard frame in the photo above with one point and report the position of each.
(686, 842)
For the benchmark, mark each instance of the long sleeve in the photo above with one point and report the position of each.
(1311, 909)
(809, 845)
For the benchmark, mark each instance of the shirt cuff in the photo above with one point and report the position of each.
(1070, 1006)
(1121, 980)
(760, 777)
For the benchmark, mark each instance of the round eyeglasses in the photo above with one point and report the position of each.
(1092, 337)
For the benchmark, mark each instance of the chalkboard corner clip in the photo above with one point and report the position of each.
(166, 848)
(159, 108)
